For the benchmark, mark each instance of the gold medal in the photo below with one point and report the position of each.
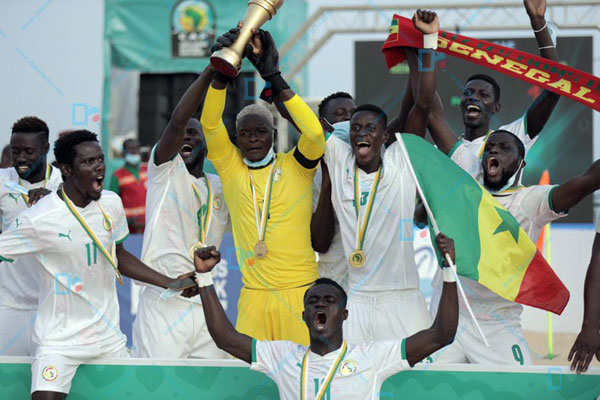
(195, 247)
(260, 249)
(357, 258)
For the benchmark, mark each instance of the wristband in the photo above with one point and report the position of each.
(542, 28)
(430, 41)
(277, 83)
(204, 279)
(446, 274)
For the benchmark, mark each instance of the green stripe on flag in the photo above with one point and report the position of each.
(454, 198)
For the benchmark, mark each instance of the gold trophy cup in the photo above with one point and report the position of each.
(228, 60)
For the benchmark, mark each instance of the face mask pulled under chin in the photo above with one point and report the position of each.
(510, 182)
(342, 130)
(133, 159)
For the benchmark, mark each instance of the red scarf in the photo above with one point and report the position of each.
(564, 80)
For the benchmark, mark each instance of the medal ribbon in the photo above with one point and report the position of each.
(92, 235)
(328, 377)
(509, 191)
(204, 222)
(261, 228)
(362, 229)
(48, 170)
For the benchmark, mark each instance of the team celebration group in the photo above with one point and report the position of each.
(330, 304)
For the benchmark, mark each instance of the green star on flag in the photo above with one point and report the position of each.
(509, 223)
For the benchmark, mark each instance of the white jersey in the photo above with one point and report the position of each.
(19, 282)
(172, 210)
(78, 297)
(468, 154)
(388, 243)
(532, 208)
(359, 376)
(334, 263)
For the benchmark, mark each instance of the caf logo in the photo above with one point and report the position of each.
(193, 28)
(50, 373)
(348, 368)
(217, 203)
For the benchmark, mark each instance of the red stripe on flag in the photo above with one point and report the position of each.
(542, 288)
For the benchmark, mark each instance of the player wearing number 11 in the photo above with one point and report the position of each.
(76, 235)
(329, 368)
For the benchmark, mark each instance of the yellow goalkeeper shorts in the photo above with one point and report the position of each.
(273, 314)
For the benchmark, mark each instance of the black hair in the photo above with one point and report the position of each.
(489, 80)
(64, 148)
(327, 281)
(126, 142)
(516, 140)
(31, 124)
(326, 100)
(381, 115)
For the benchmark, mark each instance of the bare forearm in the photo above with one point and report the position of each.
(172, 136)
(221, 330)
(570, 193)
(133, 268)
(446, 320)
(591, 293)
(323, 220)
(540, 110)
(424, 91)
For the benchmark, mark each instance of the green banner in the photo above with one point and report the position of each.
(239, 382)
(168, 36)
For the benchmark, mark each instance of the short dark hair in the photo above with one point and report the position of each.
(64, 148)
(331, 282)
(126, 142)
(333, 96)
(31, 124)
(489, 80)
(518, 142)
(374, 109)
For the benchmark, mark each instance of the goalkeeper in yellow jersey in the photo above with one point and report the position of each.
(269, 198)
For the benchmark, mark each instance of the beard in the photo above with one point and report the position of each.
(504, 178)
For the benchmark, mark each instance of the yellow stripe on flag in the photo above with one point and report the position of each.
(497, 240)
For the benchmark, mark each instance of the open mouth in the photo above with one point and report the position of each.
(320, 319)
(362, 147)
(493, 166)
(23, 168)
(473, 110)
(186, 150)
(98, 183)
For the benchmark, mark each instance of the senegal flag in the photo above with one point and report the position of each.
(491, 246)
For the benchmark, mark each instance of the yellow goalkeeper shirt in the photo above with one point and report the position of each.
(290, 260)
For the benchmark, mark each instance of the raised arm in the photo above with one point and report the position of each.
(397, 124)
(443, 135)
(588, 341)
(423, 343)
(322, 223)
(265, 59)
(219, 327)
(570, 193)
(416, 121)
(541, 108)
(172, 137)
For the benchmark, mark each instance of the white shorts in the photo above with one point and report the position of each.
(503, 333)
(171, 328)
(53, 368)
(387, 315)
(16, 327)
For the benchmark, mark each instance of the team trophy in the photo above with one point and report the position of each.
(228, 60)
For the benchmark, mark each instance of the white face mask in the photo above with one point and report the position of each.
(133, 159)
(511, 181)
(342, 130)
(261, 163)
